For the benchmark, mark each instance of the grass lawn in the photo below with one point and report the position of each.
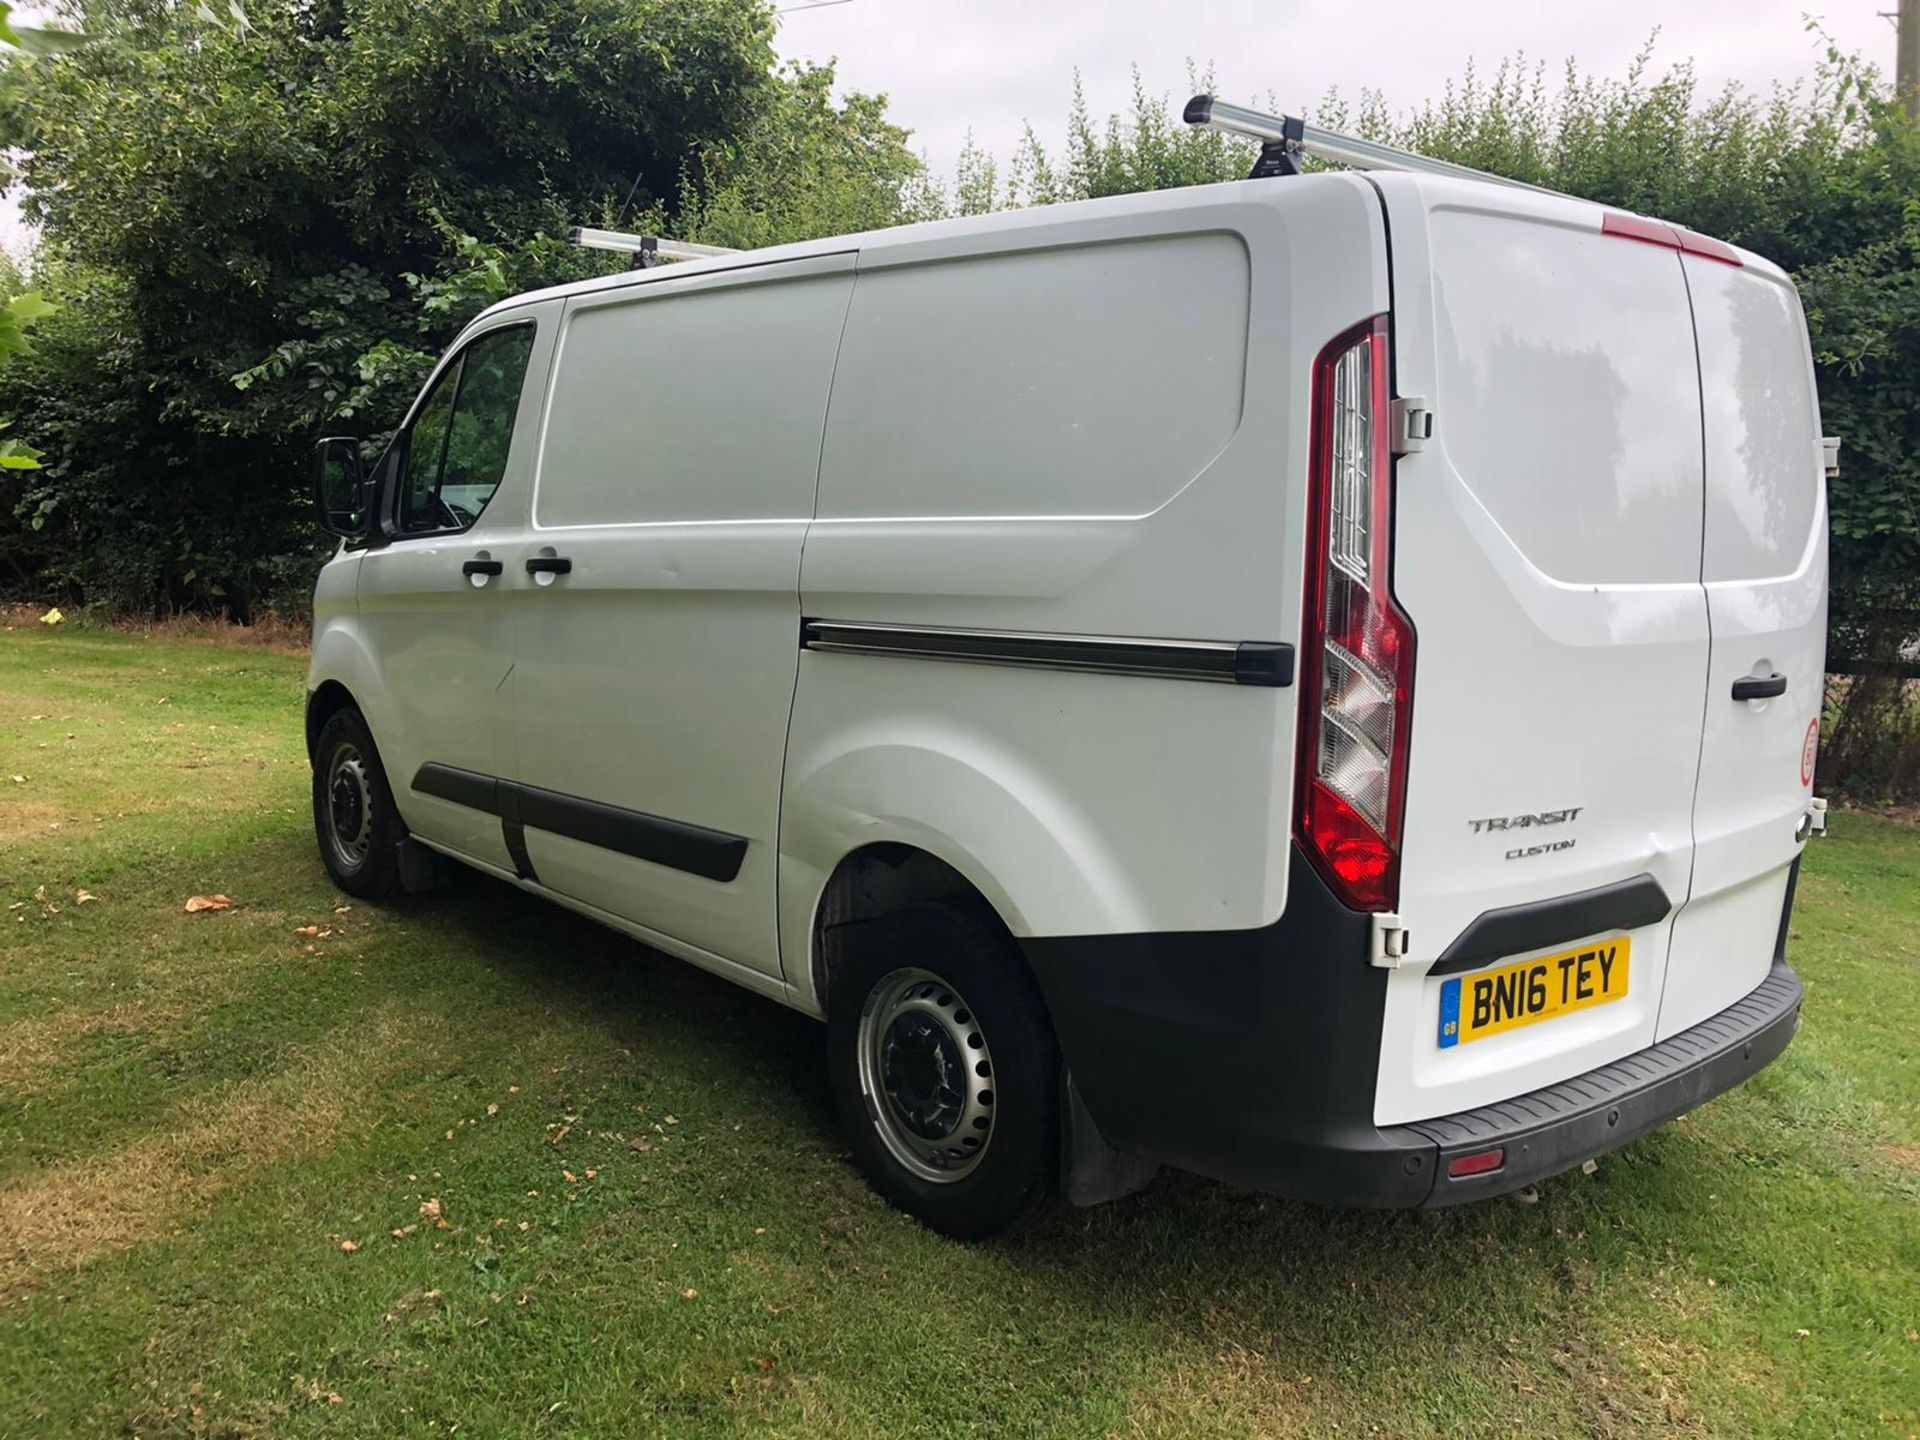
(469, 1163)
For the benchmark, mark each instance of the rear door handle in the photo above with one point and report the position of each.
(548, 565)
(482, 567)
(1760, 687)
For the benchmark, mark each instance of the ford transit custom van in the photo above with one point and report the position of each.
(1312, 681)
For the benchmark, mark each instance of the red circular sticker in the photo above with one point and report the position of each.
(1807, 752)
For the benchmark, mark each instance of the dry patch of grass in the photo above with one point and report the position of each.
(24, 819)
(64, 1217)
(30, 1049)
(1233, 1391)
(278, 633)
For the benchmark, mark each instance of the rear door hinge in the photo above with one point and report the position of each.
(1412, 424)
(1390, 942)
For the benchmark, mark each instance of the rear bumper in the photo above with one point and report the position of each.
(1558, 1127)
(1251, 1056)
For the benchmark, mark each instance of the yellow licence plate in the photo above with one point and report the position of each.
(1475, 1006)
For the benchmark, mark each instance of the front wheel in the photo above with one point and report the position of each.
(944, 1068)
(354, 817)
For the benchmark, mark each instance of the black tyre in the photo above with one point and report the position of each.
(945, 1069)
(354, 817)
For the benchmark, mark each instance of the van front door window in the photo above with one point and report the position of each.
(457, 449)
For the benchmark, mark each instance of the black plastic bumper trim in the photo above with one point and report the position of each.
(1555, 1128)
(1250, 662)
(1517, 929)
(711, 854)
(1253, 1056)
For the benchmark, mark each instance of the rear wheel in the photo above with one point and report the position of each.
(354, 817)
(945, 1069)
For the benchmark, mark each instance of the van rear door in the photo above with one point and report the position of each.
(1764, 563)
(1547, 548)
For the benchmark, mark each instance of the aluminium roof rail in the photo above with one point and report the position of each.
(1285, 138)
(647, 250)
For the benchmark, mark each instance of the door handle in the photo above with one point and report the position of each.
(548, 565)
(1760, 687)
(482, 567)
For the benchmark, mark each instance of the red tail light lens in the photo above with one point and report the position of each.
(1357, 670)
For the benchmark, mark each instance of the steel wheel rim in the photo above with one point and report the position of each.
(349, 800)
(926, 1074)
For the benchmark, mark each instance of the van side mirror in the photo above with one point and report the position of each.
(340, 487)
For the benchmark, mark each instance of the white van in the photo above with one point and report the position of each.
(1312, 681)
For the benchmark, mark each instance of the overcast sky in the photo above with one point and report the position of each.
(991, 66)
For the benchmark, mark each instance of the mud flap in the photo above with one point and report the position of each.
(1092, 1172)
(420, 868)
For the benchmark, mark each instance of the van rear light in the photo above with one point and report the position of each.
(1357, 680)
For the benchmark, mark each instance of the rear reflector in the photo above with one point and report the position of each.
(1670, 237)
(1480, 1162)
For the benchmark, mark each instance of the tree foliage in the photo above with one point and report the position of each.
(267, 227)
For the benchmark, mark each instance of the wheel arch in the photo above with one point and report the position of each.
(328, 700)
(878, 879)
(859, 802)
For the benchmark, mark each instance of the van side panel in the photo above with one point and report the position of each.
(1088, 422)
(1547, 549)
(1765, 568)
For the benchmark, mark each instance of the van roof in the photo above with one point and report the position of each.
(966, 234)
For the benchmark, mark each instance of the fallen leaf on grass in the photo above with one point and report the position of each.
(559, 1135)
(84, 897)
(571, 1177)
(430, 1208)
(198, 903)
(689, 1293)
(493, 1109)
(347, 1247)
(765, 1362)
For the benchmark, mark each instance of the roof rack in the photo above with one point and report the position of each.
(1285, 138)
(647, 250)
